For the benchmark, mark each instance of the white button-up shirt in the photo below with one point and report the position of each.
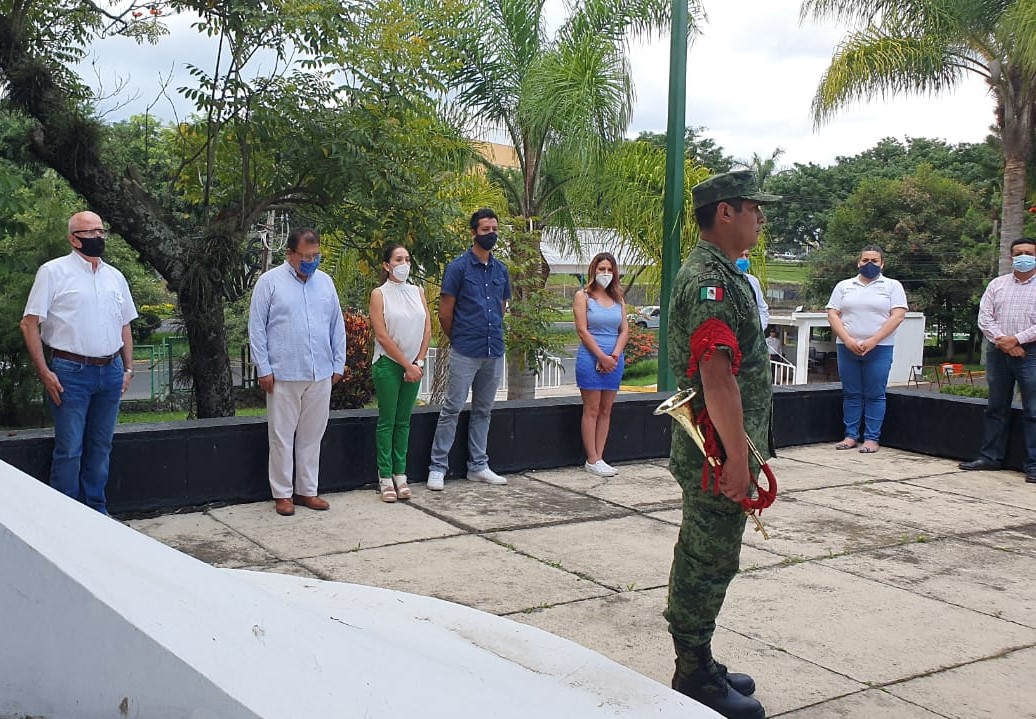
(295, 328)
(80, 310)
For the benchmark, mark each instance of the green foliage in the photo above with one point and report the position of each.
(698, 149)
(143, 327)
(811, 193)
(966, 390)
(529, 322)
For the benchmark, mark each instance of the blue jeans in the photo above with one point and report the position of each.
(1002, 371)
(84, 423)
(863, 390)
(482, 376)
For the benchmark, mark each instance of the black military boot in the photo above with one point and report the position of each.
(709, 685)
(743, 683)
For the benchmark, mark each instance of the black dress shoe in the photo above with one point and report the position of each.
(1030, 478)
(979, 464)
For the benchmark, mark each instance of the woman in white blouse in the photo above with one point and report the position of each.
(402, 331)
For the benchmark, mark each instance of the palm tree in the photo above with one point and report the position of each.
(562, 100)
(925, 46)
(763, 169)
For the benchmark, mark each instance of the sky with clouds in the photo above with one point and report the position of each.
(751, 75)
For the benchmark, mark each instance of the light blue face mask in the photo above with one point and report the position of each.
(743, 263)
(1023, 263)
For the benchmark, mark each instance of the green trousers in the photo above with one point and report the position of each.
(395, 405)
(705, 559)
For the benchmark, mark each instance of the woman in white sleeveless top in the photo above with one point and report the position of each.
(402, 330)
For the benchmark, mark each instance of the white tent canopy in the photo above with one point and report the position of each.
(564, 259)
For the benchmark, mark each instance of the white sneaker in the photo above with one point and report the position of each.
(486, 475)
(600, 469)
(435, 478)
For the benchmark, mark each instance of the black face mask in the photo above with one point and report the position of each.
(91, 246)
(486, 242)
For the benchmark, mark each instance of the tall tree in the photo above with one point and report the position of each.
(927, 46)
(561, 100)
(321, 130)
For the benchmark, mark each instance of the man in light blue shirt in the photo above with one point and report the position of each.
(297, 336)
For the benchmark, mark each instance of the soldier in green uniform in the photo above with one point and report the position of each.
(716, 346)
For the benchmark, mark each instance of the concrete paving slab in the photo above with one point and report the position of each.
(926, 509)
(862, 629)
(624, 553)
(522, 502)
(1000, 487)
(468, 570)
(1021, 540)
(800, 529)
(886, 464)
(205, 538)
(637, 486)
(356, 520)
(629, 627)
(993, 582)
(794, 474)
(869, 704)
(984, 689)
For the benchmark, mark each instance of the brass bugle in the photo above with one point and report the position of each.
(679, 408)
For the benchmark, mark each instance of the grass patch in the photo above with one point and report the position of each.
(785, 272)
(177, 415)
(642, 373)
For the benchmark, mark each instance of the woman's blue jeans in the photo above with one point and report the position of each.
(863, 390)
(84, 423)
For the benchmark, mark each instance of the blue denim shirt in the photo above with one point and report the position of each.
(478, 315)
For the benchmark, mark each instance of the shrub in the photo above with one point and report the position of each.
(144, 326)
(966, 390)
(356, 389)
(641, 344)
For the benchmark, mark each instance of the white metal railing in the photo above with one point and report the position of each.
(782, 372)
(549, 376)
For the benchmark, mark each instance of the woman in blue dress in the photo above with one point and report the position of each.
(600, 317)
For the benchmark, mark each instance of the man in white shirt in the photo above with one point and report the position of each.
(81, 308)
(297, 337)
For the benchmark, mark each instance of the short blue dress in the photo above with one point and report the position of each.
(604, 324)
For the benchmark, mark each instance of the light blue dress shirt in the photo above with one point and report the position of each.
(295, 328)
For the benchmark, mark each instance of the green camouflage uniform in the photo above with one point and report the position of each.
(706, 556)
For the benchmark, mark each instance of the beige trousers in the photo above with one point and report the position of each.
(296, 414)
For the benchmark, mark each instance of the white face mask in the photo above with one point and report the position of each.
(603, 280)
(401, 272)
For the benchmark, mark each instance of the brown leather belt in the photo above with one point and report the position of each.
(95, 361)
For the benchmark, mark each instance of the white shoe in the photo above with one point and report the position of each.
(486, 475)
(435, 478)
(600, 469)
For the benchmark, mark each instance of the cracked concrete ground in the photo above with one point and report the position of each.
(892, 585)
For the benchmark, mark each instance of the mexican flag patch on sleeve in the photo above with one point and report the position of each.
(712, 293)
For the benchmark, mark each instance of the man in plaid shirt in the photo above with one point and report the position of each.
(1007, 317)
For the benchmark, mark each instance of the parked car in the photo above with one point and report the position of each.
(646, 317)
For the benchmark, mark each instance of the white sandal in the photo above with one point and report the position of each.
(387, 490)
(402, 489)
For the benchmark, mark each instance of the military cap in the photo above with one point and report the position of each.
(727, 186)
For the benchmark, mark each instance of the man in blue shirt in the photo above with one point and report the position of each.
(297, 336)
(475, 291)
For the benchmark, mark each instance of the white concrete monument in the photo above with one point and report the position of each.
(98, 621)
